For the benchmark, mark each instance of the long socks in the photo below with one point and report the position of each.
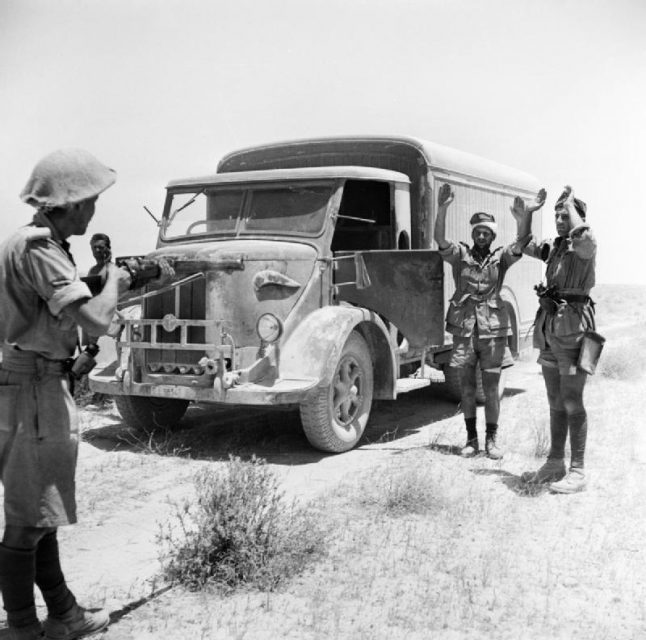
(17, 576)
(578, 424)
(472, 432)
(558, 434)
(49, 577)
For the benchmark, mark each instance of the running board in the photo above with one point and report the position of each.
(404, 385)
(420, 379)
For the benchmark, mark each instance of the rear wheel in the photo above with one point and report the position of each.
(335, 418)
(145, 414)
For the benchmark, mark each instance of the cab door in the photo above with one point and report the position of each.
(405, 287)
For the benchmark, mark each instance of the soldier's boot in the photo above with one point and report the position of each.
(493, 451)
(76, 623)
(554, 469)
(31, 632)
(49, 576)
(551, 471)
(575, 480)
(470, 449)
(66, 620)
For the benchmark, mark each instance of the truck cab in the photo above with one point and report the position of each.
(285, 291)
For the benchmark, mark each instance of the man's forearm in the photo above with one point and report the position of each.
(440, 228)
(95, 314)
(524, 226)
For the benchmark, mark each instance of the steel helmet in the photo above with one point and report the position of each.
(66, 176)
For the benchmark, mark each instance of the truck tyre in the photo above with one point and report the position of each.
(146, 414)
(453, 389)
(335, 418)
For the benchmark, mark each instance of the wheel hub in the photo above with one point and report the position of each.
(348, 386)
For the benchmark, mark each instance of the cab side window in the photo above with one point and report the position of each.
(365, 217)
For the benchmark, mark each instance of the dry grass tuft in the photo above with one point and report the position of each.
(397, 492)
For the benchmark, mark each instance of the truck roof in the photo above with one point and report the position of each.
(301, 173)
(381, 151)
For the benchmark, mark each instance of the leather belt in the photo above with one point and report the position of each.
(19, 361)
(571, 297)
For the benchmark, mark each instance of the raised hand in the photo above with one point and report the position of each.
(445, 195)
(166, 273)
(122, 276)
(519, 209)
(539, 201)
(566, 199)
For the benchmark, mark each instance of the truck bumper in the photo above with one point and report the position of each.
(279, 391)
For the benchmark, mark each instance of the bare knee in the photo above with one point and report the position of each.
(468, 390)
(572, 393)
(491, 383)
(468, 382)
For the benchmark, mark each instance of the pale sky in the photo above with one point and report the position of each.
(161, 89)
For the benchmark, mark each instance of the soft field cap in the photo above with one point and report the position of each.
(482, 219)
(579, 205)
(66, 176)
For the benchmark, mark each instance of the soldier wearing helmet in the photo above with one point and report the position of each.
(477, 317)
(43, 304)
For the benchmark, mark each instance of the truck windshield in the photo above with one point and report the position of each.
(295, 209)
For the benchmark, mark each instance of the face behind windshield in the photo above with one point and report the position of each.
(295, 209)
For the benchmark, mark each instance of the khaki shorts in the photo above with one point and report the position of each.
(561, 352)
(38, 448)
(492, 354)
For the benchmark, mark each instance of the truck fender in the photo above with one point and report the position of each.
(314, 348)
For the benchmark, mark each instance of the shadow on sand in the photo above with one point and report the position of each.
(514, 483)
(210, 432)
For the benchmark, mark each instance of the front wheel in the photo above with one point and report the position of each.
(335, 418)
(146, 414)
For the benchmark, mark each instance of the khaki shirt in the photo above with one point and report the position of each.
(477, 301)
(571, 265)
(38, 279)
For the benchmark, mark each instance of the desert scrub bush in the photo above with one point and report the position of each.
(624, 361)
(239, 531)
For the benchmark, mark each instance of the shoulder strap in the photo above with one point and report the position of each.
(36, 233)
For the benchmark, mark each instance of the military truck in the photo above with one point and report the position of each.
(307, 276)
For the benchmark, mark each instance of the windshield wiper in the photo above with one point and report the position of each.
(152, 215)
(171, 217)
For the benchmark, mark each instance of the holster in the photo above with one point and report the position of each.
(548, 305)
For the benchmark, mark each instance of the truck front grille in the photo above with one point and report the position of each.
(185, 303)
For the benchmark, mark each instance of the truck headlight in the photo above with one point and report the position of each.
(269, 328)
